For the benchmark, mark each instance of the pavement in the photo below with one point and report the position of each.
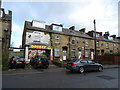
(111, 66)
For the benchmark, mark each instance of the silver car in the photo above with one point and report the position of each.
(84, 65)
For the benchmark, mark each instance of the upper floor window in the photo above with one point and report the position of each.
(39, 24)
(37, 36)
(110, 38)
(73, 41)
(114, 46)
(57, 28)
(86, 42)
(57, 37)
(97, 35)
(107, 45)
(97, 43)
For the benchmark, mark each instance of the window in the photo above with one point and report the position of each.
(107, 45)
(36, 36)
(86, 53)
(57, 28)
(39, 24)
(73, 53)
(110, 38)
(114, 46)
(56, 52)
(97, 35)
(58, 43)
(97, 44)
(83, 61)
(57, 37)
(73, 42)
(86, 42)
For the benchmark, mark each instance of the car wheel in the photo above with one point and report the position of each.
(81, 70)
(100, 69)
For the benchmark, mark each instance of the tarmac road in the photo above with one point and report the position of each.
(59, 78)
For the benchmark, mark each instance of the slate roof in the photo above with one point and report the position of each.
(66, 31)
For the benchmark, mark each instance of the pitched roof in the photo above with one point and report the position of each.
(64, 31)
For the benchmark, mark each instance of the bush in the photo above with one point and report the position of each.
(112, 54)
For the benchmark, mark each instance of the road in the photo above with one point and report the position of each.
(59, 78)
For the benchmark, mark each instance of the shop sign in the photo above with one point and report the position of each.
(40, 47)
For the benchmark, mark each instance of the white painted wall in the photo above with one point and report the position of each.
(44, 38)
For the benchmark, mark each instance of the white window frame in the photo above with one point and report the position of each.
(97, 44)
(73, 53)
(57, 28)
(86, 53)
(107, 45)
(86, 43)
(72, 42)
(56, 52)
(37, 37)
(115, 46)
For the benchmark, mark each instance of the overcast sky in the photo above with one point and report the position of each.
(80, 14)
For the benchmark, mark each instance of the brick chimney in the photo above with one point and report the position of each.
(106, 34)
(72, 28)
(82, 30)
(114, 37)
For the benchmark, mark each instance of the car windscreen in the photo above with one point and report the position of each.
(43, 58)
(19, 59)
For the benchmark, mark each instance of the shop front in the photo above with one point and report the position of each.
(33, 50)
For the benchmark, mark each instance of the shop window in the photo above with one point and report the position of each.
(114, 46)
(107, 45)
(86, 43)
(36, 36)
(56, 52)
(86, 53)
(73, 41)
(73, 53)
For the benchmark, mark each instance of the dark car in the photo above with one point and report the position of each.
(16, 61)
(39, 61)
(84, 65)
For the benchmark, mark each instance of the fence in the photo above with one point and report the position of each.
(113, 59)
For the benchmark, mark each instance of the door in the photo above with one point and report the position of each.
(64, 55)
(79, 55)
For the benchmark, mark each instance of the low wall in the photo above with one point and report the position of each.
(114, 59)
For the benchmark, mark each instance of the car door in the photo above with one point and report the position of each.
(92, 65)
(85, 64)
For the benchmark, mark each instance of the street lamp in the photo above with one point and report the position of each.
(95, 38)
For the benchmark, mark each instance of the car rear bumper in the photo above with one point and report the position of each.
(74, 68)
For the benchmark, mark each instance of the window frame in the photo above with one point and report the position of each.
(56, 52)
(36, 37)
(73, 53)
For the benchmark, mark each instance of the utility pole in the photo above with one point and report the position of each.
(94, 38)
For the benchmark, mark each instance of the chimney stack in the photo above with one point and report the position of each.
(82, 30)
(72, 28)
(106, 34)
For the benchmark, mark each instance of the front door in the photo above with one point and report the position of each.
(79, 55)
(64, 55)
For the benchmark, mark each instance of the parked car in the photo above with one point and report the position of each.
(84, 65)
(39, 61)
(16, 61)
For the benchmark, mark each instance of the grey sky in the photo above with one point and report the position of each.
(81, 14)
